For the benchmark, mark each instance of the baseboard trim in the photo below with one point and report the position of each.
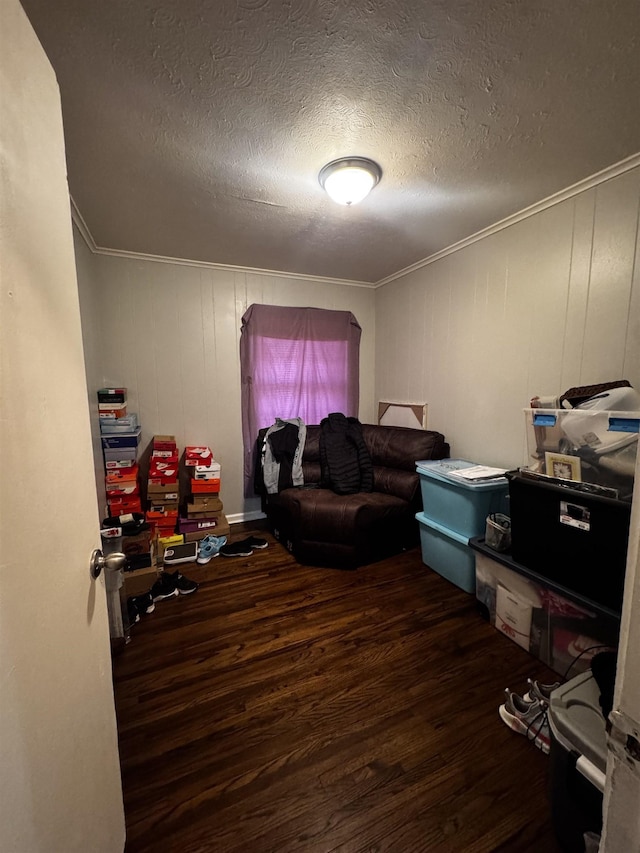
(238, 517)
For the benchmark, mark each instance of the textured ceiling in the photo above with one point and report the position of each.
(196, 129)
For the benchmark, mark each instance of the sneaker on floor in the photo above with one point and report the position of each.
(256, 543)
(238, 549)
(164, 587)
(210, 548)
(144, 603)
(184, 585)
(527, 718)
(539, 692)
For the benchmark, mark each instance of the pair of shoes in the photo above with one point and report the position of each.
(138, 605)
(245, 547)
(528, 718)
(169, 585)
(210, 548)
(184, 585)
(540, 692)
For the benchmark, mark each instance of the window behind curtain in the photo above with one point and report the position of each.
(295, 362)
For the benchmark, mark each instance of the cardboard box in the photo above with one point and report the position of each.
(165, 468)
(124, 456)
(127, 423)
(120, 473)
(201, 455)
(124, 490)
(112, 395)
(140, 581)
(138, 544)
(118, 464)
(200, 487)
(162, 517)
(207, 513)
(198, 535)
(121, 506)
(160, 494)
(513, 616)
(167, 506)
(164, 442)
(122, 440)
(207, 472)
(202, 503)
(175, 539)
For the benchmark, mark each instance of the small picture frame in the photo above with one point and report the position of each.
(563, 467)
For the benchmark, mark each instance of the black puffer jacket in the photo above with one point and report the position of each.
(345, 464)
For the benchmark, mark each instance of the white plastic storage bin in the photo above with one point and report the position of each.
(459, 505)
(589, 444)
(447, 553)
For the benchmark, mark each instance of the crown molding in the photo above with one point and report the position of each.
(186, 262)
(557, 198)
(82, 226)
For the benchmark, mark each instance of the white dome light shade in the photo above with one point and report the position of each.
(350, 179)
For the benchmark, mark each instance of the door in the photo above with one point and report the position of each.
(60, 786)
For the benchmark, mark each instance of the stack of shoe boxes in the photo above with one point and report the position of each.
(163, 490)
(120, 435)
(202, 513)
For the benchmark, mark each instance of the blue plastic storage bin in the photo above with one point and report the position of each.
(461, 506)
(447, 553)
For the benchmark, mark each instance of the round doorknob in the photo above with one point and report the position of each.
(112, 562)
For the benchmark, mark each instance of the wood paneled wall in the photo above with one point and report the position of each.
(550, 302)
(170, 333)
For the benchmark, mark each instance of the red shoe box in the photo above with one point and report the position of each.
(122, 475)
(120, 506)
(166, 469)
(111, 412)
(197, 456)
(162, 518)
(164, 443)
(123, 491)
(202, 487)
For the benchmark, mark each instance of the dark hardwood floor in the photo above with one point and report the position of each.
(287, 708)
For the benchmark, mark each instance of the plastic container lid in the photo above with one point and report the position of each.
(440, 469)
(577, 721)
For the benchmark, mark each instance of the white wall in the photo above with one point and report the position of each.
(88, 293)
(542, 305)
(170, 333)
(60, 787)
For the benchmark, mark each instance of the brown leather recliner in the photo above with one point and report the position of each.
(322, 528)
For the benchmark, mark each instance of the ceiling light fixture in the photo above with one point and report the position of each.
(349, 179)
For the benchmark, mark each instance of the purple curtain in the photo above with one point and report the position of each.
(295, 363)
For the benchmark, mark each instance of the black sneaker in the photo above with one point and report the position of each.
(183, 585)
(143, 602)
(164, 587)
(256, 543)
(238, 549)
(132, 611)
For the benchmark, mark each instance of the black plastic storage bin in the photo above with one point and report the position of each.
(573, 537)
(578, 761)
